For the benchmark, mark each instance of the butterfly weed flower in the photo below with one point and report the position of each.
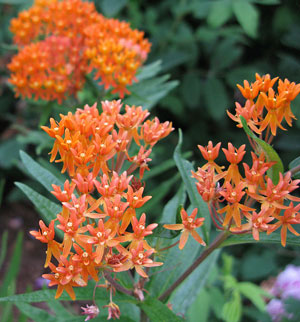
(188, 227)
(62, 41)
(102, 229)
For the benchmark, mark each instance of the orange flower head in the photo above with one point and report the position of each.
(48, 70)
(115, 52)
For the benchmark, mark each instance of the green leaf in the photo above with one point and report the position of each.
(247, 15)
(189, 289)
(148, 92)
(254, 293)
(3, 249)
(9, 152)
(218, 299)
(157, 311)
(111, 8)
(2, 184)
(37, 314)
(149, 71)
(232, 310)
(273, 238)
(43, 176)
(59, 309)
(162, 232)
(199, 310)
(163, 167)
(191, 89)
(14, 265)
(220, 12)
(185, 168)
(82, 293)
(47, 209)
(216, 98)
(159, 193)
(269, 152)
(294, 164)
(220, 61)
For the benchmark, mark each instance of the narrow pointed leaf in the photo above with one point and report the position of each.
(47, 209)
(185, 168)
(42, 175)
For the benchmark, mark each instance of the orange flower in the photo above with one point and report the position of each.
(65, 276)
(210, 153)
(137, 259)
(290, 217)
(188, 226)
(234, 156)
(233, 196)
(47, 236)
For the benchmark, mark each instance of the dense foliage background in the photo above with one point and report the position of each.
(206, 48)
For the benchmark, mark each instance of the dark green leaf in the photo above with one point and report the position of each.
(148, 92)
(247, 15)
(111, 7)
(14, 265)
(269, 152)
(191, 89)
(40, 315)
(157, 311)
(185, 168)
(149, 71)
(2, 184)
(225, 54)
(3, 249)
(43, 176)
(9, 152)
(273, 238)
(162, 232)
(216, 98)
(220, 12)
(189, 289)
(82, 293)
(47, 209)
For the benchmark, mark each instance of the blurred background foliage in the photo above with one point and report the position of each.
(205, 47)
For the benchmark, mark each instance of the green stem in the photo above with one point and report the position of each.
(214, 245)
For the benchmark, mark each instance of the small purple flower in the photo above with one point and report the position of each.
(40, 283)
(276, 310)
(288, 283)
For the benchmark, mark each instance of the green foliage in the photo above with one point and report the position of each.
(185, 168)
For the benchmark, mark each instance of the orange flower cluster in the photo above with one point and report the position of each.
(84, 40)
(242, 193)
(99, 202)
(265, 109)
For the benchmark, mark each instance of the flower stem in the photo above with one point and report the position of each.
(214, 245)
(117, 286)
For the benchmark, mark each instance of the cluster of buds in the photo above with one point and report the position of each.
(98, 218)
(253, 202)
(265, 109)
(61, 41)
